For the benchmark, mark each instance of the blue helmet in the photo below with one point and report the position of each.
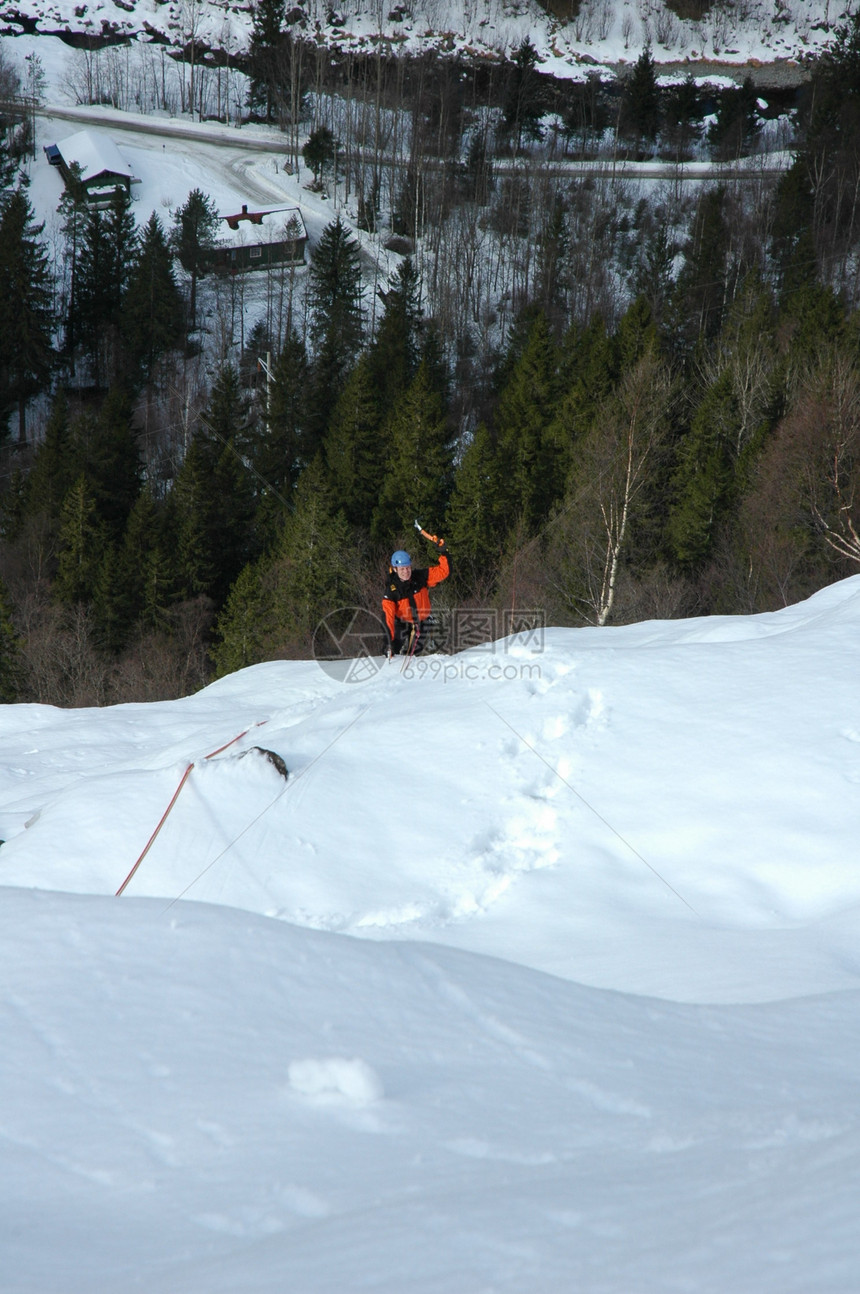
(401, 558)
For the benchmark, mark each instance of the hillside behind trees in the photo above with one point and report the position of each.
(616, 402)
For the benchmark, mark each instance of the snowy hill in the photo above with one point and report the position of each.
(540, 971)
(570, 37)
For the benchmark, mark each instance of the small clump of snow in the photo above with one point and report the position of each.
(336, 1079)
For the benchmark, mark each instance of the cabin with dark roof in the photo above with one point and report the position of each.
(255, 240)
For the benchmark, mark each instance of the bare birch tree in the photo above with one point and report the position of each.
(613, 464)
(833, 486)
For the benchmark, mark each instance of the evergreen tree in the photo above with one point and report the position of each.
(683, 113)
(524, 99)
(193, 238)
(109, 457)
(245, 624)
(314, 566)
(523, 416)
(8, 162)
(588, 372)
(704, 478)
(813, 319)
(227, 420)
(588, 363)
(106, 256)
(121, 241)
(257, 345)
(478, 515)
(161, 578)
(553, 282)
(408, 216)
(517, 340)
(108, 601)
(355, 449)
(792, 231)
(8, 165)
(227, 414)
(736, 124)
(140, 541)
(635, 335)
(142, 587)
(318, 153)
(829, 153)
(10, 91)
(640, 108)
(213, 496)
(73, 208)
(417, 476)
(12, 667)
(12, 670)
(653, 276)
(275, 605)
(595, 543)
(197, 514)
(738, 409)
(266, 65)
(335, 292)
(56, 464)
(152, 309)
(477, 174)
(432, 359)
(81, 546)
(13, 505)
(701, 290)
(280, 450)
(829, 115)
(26, 309)
(395, 352)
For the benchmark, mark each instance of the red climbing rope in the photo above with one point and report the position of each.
(149, 842)
(182, 782)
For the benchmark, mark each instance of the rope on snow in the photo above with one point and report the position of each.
(182, 782)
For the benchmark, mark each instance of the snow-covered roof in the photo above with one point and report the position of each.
(95, 153)
(271, 225)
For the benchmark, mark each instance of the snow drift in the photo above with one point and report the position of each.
(540, 971)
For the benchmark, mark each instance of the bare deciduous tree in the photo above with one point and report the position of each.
(613, 464)
(833, 487)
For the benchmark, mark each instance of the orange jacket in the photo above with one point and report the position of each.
(410, 599)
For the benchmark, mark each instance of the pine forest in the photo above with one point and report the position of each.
(617, 400)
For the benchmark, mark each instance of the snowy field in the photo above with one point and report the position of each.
(169, 155)
(539, 973)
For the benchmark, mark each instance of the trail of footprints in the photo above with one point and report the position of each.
(546, 759)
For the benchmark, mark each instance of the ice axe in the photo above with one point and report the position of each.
(434, 539)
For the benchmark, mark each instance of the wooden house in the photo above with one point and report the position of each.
(103, 169)
(255, 240)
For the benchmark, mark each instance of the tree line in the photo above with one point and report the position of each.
(688, 446)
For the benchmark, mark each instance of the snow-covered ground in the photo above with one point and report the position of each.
(540, 972)
(230, 170)
(602, 32)
(170, 155)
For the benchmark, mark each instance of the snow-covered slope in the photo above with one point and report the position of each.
(599, 1025)
(684, 783)
(602, 31)
(202, 1100)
